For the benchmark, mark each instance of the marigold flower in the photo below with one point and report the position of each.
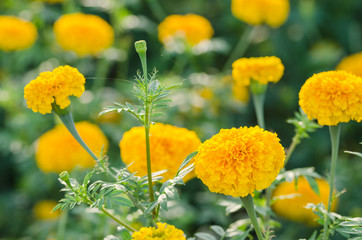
(83, 33)
(352, 64)
(240, 92)
(271, 12)
(57, 150)
(260, 69)
(170, 145)
(238, 161)
(191, 27)
(55, 86)
(162, 232)
(16, 33)
(292, 198)
(43, 210)
(332, 97)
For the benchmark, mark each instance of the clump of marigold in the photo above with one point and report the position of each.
(352, 64)
(162, 232)
(83, 33)
(16, 33)
(239, 161)
(191, 27)
(260, 69)
(256, 12)
(54, 87)
(57, 150)
(43, 210)
(170, 145)
(291, 199)
(332, 97)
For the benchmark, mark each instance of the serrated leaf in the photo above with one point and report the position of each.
(171, 192)
(219, 230)
(108, 110)
(129, 106)
(153, 86)
(58, 206)
(122, 201)
(186, 161)
(313, 184)
(87, 178)
(205, 236)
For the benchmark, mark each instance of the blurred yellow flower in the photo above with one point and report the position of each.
(83, 33)
(260, 69)
(16, 33)
(191, 27)
(238, 161)
(162, 232)
(291, 199)
(352, 64)
(43, 210)
(332, 97)
(55, 86)
(255, 12)
(240, 92)
(170, 145)
(57, 150)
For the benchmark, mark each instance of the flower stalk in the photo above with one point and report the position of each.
(258, 93)
(248, 203)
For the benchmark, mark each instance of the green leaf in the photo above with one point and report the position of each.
(125, 235)
(314, 236)
(87, 178)
(219, 230)
(154, 85)
(186, 161)
(313, 184)
(205, 236)
(171, 192)
(354, 153)
(122, 201)
(151, 207)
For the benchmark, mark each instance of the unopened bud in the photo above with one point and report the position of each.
(141, 46)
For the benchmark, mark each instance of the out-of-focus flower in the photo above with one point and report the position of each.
(55, 86)
(169, 147)
(57, 150)
(271, 12)
(240, 92)
(352, 64)
(239, 161)
(83, 33)
(162, 232)
(332, 97)
(191, 27)
(16, 33)
(43, 210)
(291, 199)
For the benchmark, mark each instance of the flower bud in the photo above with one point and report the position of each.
(141, 46)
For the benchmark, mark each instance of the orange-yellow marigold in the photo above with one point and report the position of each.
(170, 145)
(291, 199)
(43, 210)
(83, 33)
(162, 232)
(57, 150)
(332, 97)
(352, 64)
(238, 161)
(16, 33)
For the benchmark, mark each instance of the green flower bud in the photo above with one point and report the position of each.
(141, 46)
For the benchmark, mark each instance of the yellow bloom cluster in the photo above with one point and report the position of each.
(238, 161)
(255, 12)
(57, 150)
(332, 97)
(352, 64)
(43, 210)
(170, 145)
(162, 232)
(57, 85)
(261, 69)
(16, 34)
(291, 200)
(240, 92)
(191, 27)
(83, 33)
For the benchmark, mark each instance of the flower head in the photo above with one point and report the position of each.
(352, 64)
(332, 97)
(57, 150)
(238, 161)
(191, 27)
(260, 69)
(43, 210)
(55, 86)
(16, 33)
(271, 12)
(83, 33)
(170, 145)
(162, 232)
(291, 199)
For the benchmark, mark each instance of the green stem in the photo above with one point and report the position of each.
(62, 225)
(249, 206)
(334, 132)
(128, 227)
(157, 10)
(258, 100)
(295, 142)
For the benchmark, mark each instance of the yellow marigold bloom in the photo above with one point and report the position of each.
(255, 12)
(170, 145)
(238, 161)
(55, 86)
(191, 27)
(332, 97)
(16, 33)
(291, 200)
(83, 33)
(352, 64)
(43, 210)
(162, 232)
(260, 69)
(57, 150)
(240, 92)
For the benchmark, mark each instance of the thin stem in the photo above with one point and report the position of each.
(149, 169)
(334, 132)
(128, 227)
(259, 108)
(62, 225)
(295, 142)
(157, 10)
(248, 203)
